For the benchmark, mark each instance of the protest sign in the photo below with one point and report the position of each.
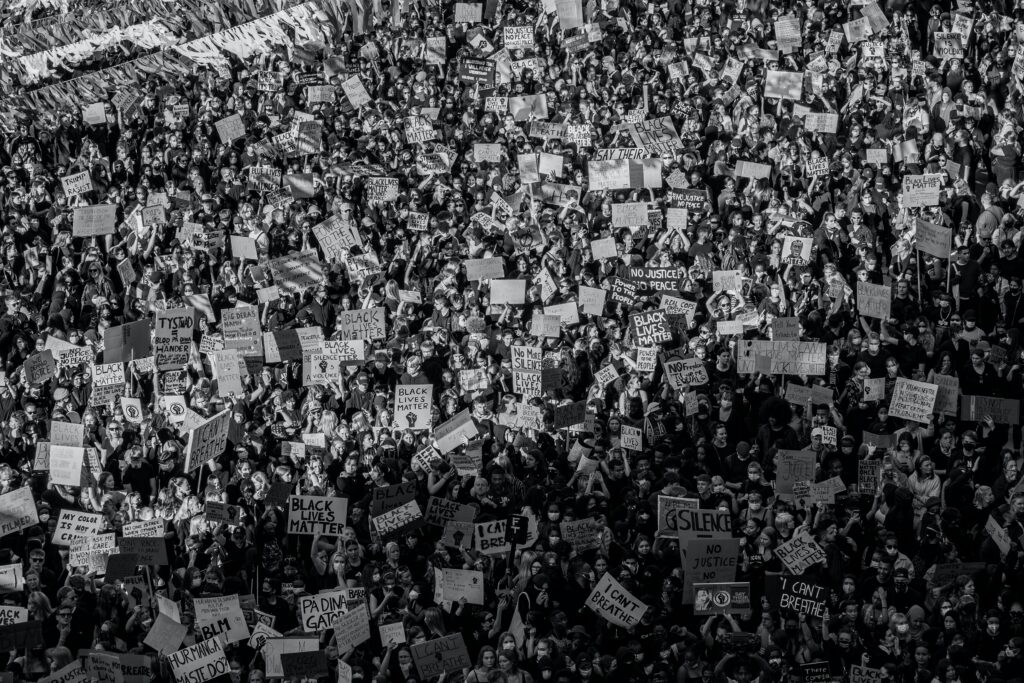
(693, 524)
(22, 635)
(668, 513)
(785, 85)
(489, 537)
(874, 389)
(17, 511)
(796, 250)
(947, 401)
(485, 268)
(934, 239)
(615, 604)
(802, 596)
(94, 221)
(220, 617)
(948, 45)
(230, 128)
(39, 367)
(317, 613)
(1002, 410)
(128, 342)
(817, 167)
(440, 655)
(72, 525)
(66, 465)
(412, 405)
(355, 91)
(207, 441)
(874, 301)
(297, 273)
(274, 648)
(305, 665)
(470, 13)
(921, 190)
(148, 551)
(799, 553)
(12, 579)
(459, 583)
(398, 519)
(721, 598)
(352, 628)
(708, 561)
(650, 328)
(816, 672)
(787, 357)
(448, 435)
(863, 674)
(365, 323)
(726, 279)
(440, 511)
(511, 292)
(317, 515)
(683, 373)
(912, 400)
(794, 466)
(199, 663)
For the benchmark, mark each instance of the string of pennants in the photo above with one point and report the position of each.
(299, 24)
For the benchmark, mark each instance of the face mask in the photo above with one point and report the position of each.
(848, 589)
(993, 629)
(754, 507)
(413, 595)
(508, 647)
(902, 628)
(552, 540)
(753, 477)
(553, 516)
(945, 610)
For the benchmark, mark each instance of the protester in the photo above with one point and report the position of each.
(511, 342)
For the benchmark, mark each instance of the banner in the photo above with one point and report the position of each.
(934, 239)
(787, 357)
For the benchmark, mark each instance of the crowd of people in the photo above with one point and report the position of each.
(505, 302)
